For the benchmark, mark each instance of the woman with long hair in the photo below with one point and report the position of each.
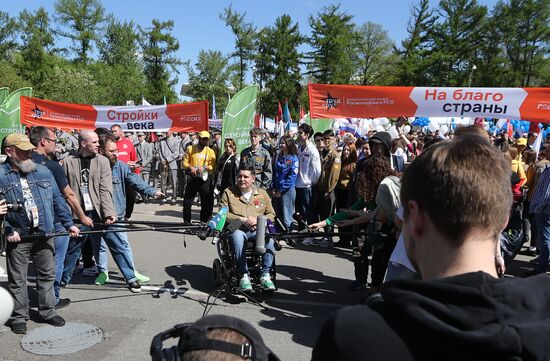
(283, 187)
(228, 165)
(344, 188)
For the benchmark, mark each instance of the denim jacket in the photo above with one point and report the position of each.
(47, 197)
(122, 175)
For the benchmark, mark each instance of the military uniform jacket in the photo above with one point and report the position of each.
(261, 161)
(237, 206)
(330, 171)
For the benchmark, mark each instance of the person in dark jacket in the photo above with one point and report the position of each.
(460, 309)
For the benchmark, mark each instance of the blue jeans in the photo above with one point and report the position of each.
(284, 206)
(74, 250)
(304, 201)
(61, 243)
(239, 239)
(542, 222)
(117, 243)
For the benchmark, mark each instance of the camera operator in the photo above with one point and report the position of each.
(33, 185)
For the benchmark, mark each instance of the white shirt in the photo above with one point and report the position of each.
(399, 254)
(309, 166)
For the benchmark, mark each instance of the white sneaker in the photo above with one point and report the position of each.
(307, 241)
(90, 271)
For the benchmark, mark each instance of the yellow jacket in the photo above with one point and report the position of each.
(195, 159)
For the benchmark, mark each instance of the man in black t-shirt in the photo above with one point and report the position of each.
(44, 141)
(460, 309)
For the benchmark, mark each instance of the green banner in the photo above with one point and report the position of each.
(320, 124)
(238, 117)
(9, 111)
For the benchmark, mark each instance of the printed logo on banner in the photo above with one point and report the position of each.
(191, 118)
(37, 112)
(331, 102)
(543, 105)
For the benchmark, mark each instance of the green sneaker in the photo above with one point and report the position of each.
(244, 284)
(266, 282)
(102, 278)
(141, 278)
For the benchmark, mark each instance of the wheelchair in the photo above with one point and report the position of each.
(224, 268)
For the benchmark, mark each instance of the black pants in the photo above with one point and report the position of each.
(130, 200)
(194, 186)
(343, 200)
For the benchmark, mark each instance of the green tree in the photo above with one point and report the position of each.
(282, 73)
(119, 75)
(35, 60)
(245, 35)
(209, 77)
(11, 78)
(334, 41)
(413, 60)
(82, 20)
(71, 84)
(159, 47)
(525, 30)
(456, 39)
(374, 56)
(8, 33)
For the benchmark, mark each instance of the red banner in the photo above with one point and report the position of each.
(352, 101)
(188, 117)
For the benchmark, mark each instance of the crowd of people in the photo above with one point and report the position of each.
(318, 181)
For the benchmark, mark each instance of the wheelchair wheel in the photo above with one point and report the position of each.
(217, 272)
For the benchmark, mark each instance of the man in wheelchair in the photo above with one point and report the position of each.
(245, 202)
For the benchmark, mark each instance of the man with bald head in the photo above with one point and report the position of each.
(89, 175)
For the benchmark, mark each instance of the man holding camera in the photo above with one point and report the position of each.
(245, 202)
(28, 231)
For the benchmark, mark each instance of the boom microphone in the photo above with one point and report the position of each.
(261, 224)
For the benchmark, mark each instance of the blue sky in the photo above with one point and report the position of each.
(197, 25)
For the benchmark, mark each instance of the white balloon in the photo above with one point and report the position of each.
(379, 128)
(375, 122)
(393, 133)
(6, 305)
(444, 129)
(336, 126)
(384, 121)
(407, 129)
(432, 127)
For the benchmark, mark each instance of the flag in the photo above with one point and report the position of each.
(302, 113)
(509, 128)
(165, 100)
(145, 102)
(214, 114)
(257, 118)
(279, 116)
(238, 116)
(538, 143)
(286, 113)
(10, 111)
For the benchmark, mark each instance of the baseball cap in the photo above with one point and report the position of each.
(204, 134)
(195, 338)
(521, 141)
(18, 140)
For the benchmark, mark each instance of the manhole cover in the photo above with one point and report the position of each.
(72, 337)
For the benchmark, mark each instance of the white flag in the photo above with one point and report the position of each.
(538, 143)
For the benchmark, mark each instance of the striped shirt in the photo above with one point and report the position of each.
(540, 203)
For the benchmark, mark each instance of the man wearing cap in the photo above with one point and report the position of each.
(33, 186)
(199, 161)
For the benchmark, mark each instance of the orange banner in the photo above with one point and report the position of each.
(352, 101)
(188, 117)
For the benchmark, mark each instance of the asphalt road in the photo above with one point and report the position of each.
(312, 282)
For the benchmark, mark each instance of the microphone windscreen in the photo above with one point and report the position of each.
(261, 224)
